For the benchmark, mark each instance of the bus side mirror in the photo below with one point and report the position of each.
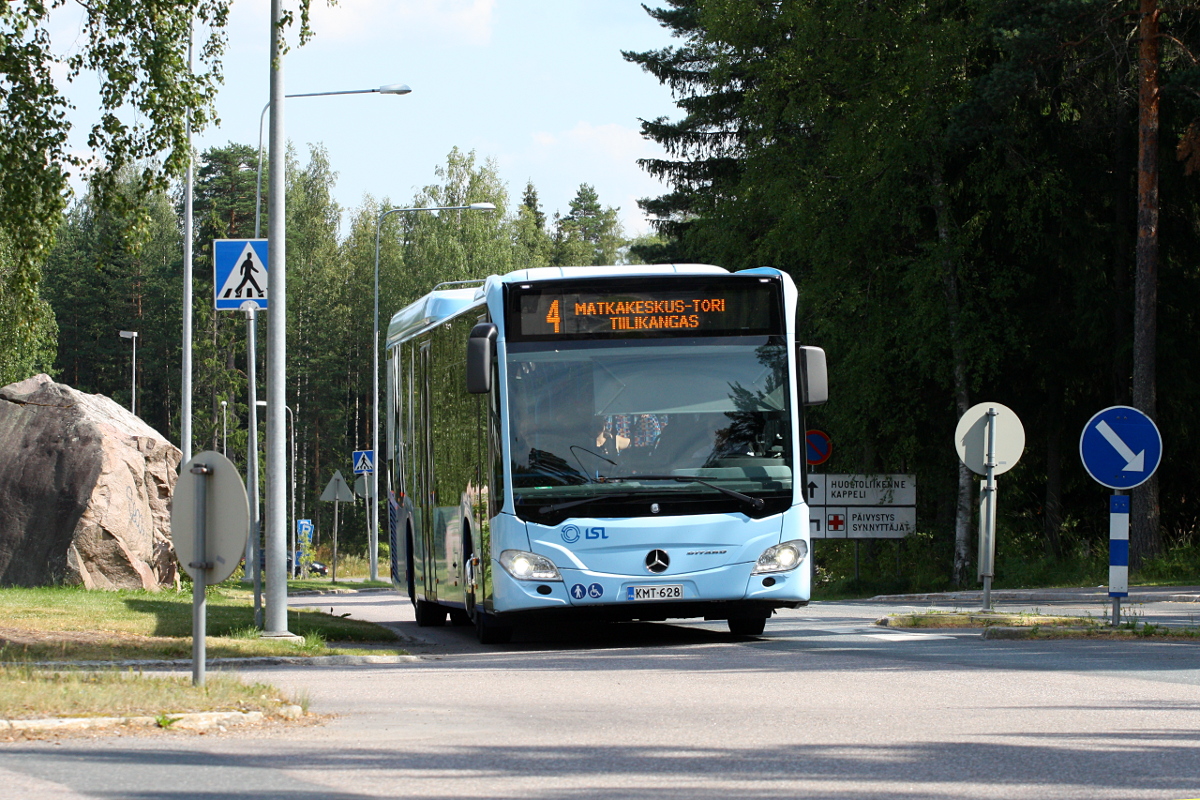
(814, 378)
(480, 346)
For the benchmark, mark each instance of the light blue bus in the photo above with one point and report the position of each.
(608, 443)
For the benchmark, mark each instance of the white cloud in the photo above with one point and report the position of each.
(616, 142)
(458, 21)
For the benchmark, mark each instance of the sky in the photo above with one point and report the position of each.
(537, 85)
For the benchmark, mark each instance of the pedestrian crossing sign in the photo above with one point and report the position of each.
(240, 273)
(364, 462)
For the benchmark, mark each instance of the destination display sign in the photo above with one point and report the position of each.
(646, 308)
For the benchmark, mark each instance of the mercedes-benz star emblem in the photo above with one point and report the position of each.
(657, 561)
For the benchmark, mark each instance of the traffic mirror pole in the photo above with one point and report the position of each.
(201, 567)
(990, 511)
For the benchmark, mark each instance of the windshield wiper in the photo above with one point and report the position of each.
(755, 502)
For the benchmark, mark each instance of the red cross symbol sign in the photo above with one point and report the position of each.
(836, 522)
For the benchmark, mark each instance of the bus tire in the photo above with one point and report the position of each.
(409, 566)
(747, 626)
(468, 576)
(489, 631)
(430, 615)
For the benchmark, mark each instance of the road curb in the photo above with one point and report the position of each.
(338, 590)
(194, 721)
(253, 661)
(1036, 597)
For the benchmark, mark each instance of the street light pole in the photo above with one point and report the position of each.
(292, 420)
(373, 508)
(132, 372)
(224, 429)
(275, 619)
(276, 624)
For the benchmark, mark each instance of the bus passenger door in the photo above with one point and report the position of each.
(425, 481)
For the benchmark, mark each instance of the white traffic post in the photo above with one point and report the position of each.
(1120, 447)
(1118, 552)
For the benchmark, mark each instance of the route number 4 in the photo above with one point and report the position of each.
(553, 317)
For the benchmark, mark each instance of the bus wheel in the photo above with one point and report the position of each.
(489, 631)
(747, 626)
(469, 577)
(409, 578)
(430, 615)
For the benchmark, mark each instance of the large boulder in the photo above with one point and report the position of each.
(85, 491)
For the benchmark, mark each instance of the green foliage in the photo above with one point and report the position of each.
(951, 185)
(149, 94)
(28, 336)
(589, 235)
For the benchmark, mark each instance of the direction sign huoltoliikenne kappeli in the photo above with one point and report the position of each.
(1120, 447)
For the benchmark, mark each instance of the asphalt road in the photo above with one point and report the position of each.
(827, 705)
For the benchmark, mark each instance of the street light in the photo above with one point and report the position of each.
(391, 88)
(133, 372)
(276, 539)
(373, 514)
(292, 419)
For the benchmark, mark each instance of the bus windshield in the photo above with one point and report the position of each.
(693, 423)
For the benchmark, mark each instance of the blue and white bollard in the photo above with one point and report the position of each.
(1118, 552)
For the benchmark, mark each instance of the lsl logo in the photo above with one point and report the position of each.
(573, 533)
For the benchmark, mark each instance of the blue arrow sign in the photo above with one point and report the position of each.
(1120, 447)
(239, 273)
(364, 462)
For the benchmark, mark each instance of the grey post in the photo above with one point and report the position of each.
(200, 565)
(185, 411)
(275, 618)
(990, 511)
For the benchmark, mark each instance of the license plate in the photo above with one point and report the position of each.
(670, 591)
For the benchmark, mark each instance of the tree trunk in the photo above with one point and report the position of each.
(962, 515)
(1144, 535)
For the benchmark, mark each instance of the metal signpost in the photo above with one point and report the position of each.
(209, 518)
(240, 284)
(1120, 448)
(364, 464)
(336, 491)
(990, 440)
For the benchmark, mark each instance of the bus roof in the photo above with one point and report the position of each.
(630, 270)
(442, 304)
(431, 309)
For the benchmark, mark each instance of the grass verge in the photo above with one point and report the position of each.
(73, 624)
(961, 619)
(1039, 626)
(30, 693)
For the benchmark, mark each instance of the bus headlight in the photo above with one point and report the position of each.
(781, 557)
(529, 566)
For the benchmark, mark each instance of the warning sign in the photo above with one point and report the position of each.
(240, 273)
